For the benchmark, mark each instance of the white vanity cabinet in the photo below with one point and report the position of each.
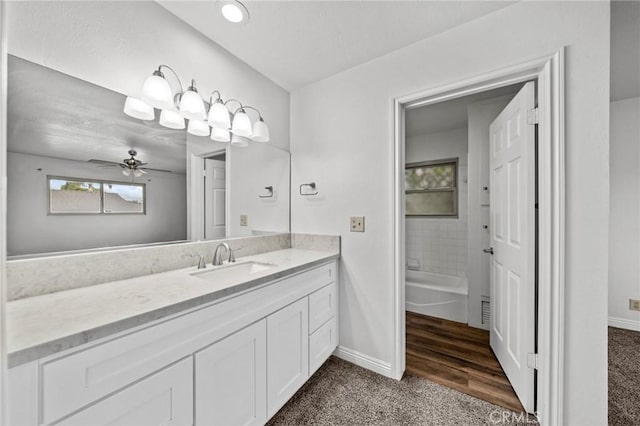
(287, 353)
(231, 379)
(234, 361)
(164, 398)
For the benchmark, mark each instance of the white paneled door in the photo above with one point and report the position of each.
(512, 211)
(214, 199)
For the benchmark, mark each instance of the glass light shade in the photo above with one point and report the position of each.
(239, 141)
(198, 128)
(157, 92)
(260, 131)
(192, 106)
(138, 109)
(219, 116)
(220, 135)
(171, 119)
(241, 124)
(137, 173)
(126, 172)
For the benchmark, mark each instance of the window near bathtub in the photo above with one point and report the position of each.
(431, 188)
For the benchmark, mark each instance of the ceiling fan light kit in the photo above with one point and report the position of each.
(205, 118)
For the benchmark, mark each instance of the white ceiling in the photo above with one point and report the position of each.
(52, 114)
(295, 43)
(625, 50)
(448, 115)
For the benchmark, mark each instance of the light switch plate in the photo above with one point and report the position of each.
(357, 224)
(634, 305)
(244, 220)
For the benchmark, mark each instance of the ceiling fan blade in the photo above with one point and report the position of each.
(110, 163)
(154, 170)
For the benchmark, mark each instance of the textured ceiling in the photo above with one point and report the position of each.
(295, 43)
(55, 115)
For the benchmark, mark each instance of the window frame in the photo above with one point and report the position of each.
(102, 183)
(440, 162)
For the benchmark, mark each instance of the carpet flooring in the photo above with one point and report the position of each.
(341, 393)
(624, 377)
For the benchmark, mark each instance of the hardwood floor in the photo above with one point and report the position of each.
(458, 356)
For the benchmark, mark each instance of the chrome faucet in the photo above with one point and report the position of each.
(217, 256)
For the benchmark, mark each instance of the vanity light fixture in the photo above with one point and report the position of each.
(198, 128)
(220, 135)
(171, 119)
(139, 109)
(213, 118)
(234, 11)
(239, 141)
(192, 105)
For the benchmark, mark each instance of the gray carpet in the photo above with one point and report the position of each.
(624, 377)
(341, 393)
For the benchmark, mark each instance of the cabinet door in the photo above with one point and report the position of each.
(287, 353)
(231, 379)
(164, 398)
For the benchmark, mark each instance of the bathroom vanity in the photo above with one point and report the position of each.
(221, 346)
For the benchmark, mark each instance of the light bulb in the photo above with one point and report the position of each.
(241, 124)
(198, 128)
(157, 92)
(234, 11)
(191, 104)
(138, 109)
(219, 116)
(220, 135)
(171, 119)
(260, 131)
(239, 141)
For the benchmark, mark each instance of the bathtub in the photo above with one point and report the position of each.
(437, 295)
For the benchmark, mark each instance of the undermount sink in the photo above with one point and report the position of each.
(234, 270)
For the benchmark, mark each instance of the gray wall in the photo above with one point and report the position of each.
(31, 230)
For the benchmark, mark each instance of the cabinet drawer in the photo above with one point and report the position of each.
(321, 345)
(164, 398)
(322, 306)
(76, 380)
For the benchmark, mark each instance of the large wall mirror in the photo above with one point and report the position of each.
(68, 142)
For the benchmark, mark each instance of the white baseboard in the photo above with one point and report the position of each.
(364, 361)
(624, 323)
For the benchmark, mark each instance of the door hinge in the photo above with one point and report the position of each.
(532, 361)
(533, 117)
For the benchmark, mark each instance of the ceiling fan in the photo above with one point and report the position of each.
(130, 166)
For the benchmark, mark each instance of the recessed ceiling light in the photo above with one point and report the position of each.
(234, 11)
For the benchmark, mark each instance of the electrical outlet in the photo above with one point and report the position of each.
(634, 305)
(244, 220)
(357, 224)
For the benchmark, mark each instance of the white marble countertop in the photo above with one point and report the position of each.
(43, 325)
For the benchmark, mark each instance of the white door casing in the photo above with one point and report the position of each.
(215, 199)
(512, 212)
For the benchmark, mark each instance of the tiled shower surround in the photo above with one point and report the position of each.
(439, 245)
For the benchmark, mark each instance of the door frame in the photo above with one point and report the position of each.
(196, 186)
(548, 72)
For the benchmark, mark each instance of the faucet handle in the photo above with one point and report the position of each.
(232, 257)
(201, 262)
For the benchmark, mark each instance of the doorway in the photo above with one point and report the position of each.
(548, 75)
(448, 240)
